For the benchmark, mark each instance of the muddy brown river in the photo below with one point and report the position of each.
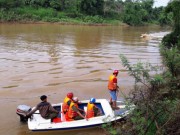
(54, 59)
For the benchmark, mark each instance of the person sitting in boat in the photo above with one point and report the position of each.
(45, 109)
(92, 109)
(74, 111)
(67, 101)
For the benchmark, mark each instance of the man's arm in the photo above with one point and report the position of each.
(97, 110)
(81, 115)
(32, 111)
(115, 83)
(81, 110)
(52, 109)
(77, 110)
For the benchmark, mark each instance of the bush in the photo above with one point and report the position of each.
(153, 110)
(171, 58)
(93, 19)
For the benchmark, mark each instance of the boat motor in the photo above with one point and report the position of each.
(22, 110)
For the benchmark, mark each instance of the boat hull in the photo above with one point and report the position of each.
(37, 123)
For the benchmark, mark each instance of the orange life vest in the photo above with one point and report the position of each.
(71, 112)
(90, 110)
(111, 85)
(65, 106)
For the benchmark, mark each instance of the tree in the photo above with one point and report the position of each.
(113, 8)
(134, 13)
(92, 7)
(148, 6)
(7, 4)
(71, 6)
(173, 39)
(171, 42)
(174, 7)
(56, 4)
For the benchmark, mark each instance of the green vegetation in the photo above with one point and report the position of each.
(156, 95)
(132, 12)
(156, 99)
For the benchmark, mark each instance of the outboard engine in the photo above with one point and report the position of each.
(22, 110)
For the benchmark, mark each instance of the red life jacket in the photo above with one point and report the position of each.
(111, 85)
(90, 110)
(71, 112)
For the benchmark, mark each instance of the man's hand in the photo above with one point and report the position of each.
(86, 118)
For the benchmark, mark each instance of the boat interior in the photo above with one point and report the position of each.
(63, 117)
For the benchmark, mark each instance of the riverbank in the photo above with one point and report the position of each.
(49, 15)
(42, 15)
(64, 23)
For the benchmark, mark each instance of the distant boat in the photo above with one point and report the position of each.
(37, 123)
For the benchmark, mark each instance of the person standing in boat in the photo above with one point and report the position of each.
(74, 111)
(113, 89)
(67, 101)
(92, 109)
(45, 109)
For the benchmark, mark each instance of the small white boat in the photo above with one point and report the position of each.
(37, 123)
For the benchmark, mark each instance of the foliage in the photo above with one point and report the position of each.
(139, 12)
(154, 109)
(171, 58)
(140, 72)
(113, 8)
(93, 19)
(28, 14)
(157, 100)
(174, 7)
(132, 12)
(92, 7)
(165, 18)
(109, 127)
(170, 48)
(55, 4)
(173, 39)
(7, 4)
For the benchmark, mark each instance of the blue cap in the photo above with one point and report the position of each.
(92, 100)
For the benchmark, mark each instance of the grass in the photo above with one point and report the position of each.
(31, 14)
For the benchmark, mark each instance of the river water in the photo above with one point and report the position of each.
(54, 59)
